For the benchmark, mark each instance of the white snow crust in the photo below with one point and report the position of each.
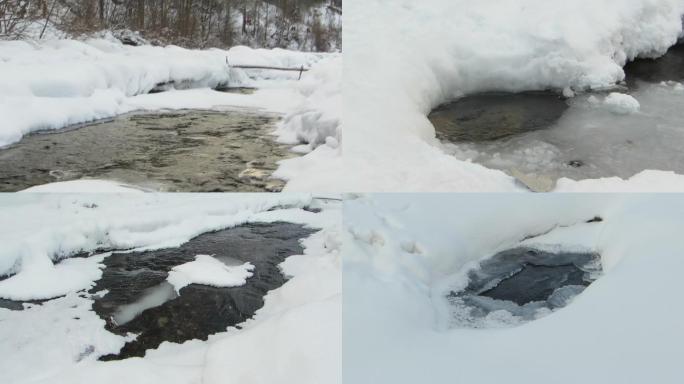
(621, 103)
(206, 270)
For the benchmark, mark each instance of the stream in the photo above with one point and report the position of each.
(170, 151)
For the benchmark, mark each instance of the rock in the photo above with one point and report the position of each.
(576, 163)
(128, 37)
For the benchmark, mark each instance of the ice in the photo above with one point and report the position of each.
(591, 141)
(527, 283)
(207, 270)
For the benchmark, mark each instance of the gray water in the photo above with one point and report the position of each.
(180, 151)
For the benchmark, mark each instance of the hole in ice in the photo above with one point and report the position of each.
(520, 285)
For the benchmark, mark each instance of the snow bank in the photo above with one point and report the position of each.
(26, 334)
(404, 58)
(403, 253)
(206, 270)
(55, 83)
(40, 230)
(316, 125)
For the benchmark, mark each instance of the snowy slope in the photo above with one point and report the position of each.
(404, 253)
(295, 337)
(405, 58)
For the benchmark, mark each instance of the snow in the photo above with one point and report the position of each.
(41, 229)
(41, 279)
(647, 181)
(295, 337)
(603, 145)
(85, 186)
(206, 270)
(397, 327)
(56, 83)
(621, 103)
(26, 334)
(404, 58)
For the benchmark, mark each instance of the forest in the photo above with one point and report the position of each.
(306, 25)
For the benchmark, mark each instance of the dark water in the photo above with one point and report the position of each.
(199, 310)
(523, 281)
(496, 115)
(667, 67)
(536, 283)
(184, 151)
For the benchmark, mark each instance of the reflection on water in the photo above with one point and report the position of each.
(152, 297)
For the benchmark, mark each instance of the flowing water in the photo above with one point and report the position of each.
(184, 151)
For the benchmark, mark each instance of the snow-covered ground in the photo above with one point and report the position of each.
(295, 337)
(404, 253)
(403, 58)
(56, 83)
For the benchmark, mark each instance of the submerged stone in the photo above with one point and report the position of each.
(576, 163)
(524, 282)
(136, 295)
(496, 115)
